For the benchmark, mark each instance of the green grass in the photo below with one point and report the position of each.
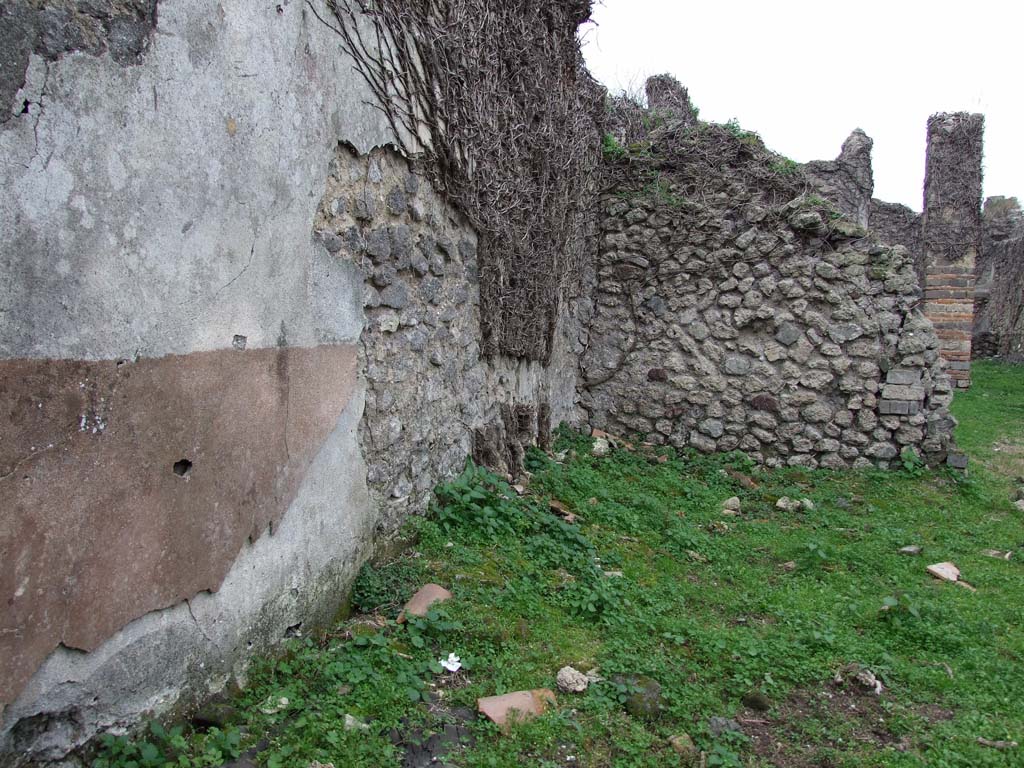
(991, 416)
(711, 607)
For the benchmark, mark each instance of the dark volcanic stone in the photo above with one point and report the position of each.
(657, 374)
(765, 403)
(644, 700)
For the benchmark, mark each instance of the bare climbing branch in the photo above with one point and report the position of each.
(494, 101)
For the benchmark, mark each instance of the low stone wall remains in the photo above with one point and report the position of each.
(733, 312)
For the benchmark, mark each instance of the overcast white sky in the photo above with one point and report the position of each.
(804, 74)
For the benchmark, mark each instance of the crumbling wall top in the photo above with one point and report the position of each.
(847, 181)
(1002, 218)
(666, 95)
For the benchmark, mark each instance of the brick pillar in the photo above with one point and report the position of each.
(951, 234)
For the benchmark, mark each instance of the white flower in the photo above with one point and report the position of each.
(453, 663)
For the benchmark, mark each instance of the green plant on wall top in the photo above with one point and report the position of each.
(611, 148)
(662, 192)
(749, 137)
(785, 167)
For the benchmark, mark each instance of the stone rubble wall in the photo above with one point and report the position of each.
(847, 181)
(735, 321)
(899, 225)
(668, 99)
(969, 266)
(429, 390)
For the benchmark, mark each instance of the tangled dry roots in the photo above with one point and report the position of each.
(494, 99)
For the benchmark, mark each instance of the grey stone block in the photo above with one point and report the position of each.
(788, 334)
(957, 460)
(903, 376)
(901, 392)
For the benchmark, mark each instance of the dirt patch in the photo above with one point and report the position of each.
(836, 719)
(1008, 458)
(933, 713)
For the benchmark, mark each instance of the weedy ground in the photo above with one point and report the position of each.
(766, 607)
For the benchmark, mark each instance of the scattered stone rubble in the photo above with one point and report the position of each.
(571, 680)
(948, 572)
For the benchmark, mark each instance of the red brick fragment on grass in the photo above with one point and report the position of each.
(427, 596)
(516, 706)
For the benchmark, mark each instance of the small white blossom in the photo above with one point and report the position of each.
(453, 663)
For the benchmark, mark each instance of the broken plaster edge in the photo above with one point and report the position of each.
(298, 574)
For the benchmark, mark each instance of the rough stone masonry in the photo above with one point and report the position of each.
(999, 288)
(429, 390)
(735, 310)
(945, 242)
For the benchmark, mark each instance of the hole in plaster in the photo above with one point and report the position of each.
(239, 341)
(294, 630)
(182, 467)
(26, 106)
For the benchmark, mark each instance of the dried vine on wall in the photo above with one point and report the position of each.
(495, 100)
(953, 183)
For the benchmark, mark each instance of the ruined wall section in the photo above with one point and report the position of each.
(951, 233)
(419, 348)
(668, 99)
(999, 289)
(848, 181)
(506, 120)
(732, 312)
(899, 225)
(429, 389)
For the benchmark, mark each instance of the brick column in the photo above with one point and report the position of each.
(951, 234)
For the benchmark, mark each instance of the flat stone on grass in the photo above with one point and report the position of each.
(517, 706)
(944, 571)
(427, 596)
(949, 572)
